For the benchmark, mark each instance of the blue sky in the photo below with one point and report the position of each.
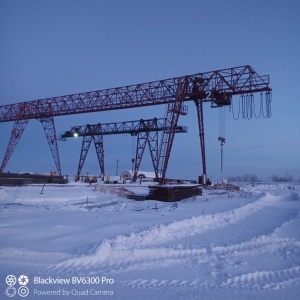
(58, 47)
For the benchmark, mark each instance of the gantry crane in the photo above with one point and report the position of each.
(216, 87)
(145, 130)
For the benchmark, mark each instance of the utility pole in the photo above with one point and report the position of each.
(117, 167)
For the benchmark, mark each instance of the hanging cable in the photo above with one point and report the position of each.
(133, 153)
(266, 104)
(232, 110)
(263, 105)
(222, 142)
(222, 117)
(251, 106)
(221, 138)
(248, 105)
(244, 107)
(247, 108)
(260, 107)
(268, 97)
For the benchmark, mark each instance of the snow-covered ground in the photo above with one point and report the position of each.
(74, 242)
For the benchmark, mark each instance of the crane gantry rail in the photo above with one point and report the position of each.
(216, 87)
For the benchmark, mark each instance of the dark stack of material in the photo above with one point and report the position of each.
(170, 193)
(27, 178)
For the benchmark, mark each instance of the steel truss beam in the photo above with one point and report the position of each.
(220, 83)
(131, 127)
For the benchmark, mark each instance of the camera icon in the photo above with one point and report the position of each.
(11, 280)
(11, 291)
(23, 280)
(23, 290)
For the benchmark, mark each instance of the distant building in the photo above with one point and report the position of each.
(141, 174)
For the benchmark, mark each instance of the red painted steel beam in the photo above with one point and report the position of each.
(129, 127)
(199, 106)
(172, 115)
(231, 81)
(15, 136)
(98, 142)
(50, 132)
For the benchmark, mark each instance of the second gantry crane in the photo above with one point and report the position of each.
(146, 131)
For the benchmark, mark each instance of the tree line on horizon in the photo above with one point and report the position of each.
(255, 178)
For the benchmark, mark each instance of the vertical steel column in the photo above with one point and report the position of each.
(199, 106)
(172, 116)
(49, 128)
(16, 133)
(98, 142)
(153, 146)
(85, 146)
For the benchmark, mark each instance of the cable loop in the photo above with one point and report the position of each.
(247, 108)
(238, 116)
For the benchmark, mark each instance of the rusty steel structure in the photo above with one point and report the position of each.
(145, 130)
(216, 87)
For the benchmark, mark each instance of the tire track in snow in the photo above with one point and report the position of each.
(136, 247)
(135, 251)
(265, 280)
(140, 248)
(144, 250)
(159, 283)
(265, 244)
(259, 280)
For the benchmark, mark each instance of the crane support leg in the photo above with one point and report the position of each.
(172, 115)
(153, 146)
(140, 148)
(199, 106)
(85, 146)
(144, 136)
(49, 128)
(166, 142)
(98, 141)
(15, 136)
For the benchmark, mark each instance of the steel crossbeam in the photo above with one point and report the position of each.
(231, 81)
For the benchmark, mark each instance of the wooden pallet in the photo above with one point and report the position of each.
(170, 193)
